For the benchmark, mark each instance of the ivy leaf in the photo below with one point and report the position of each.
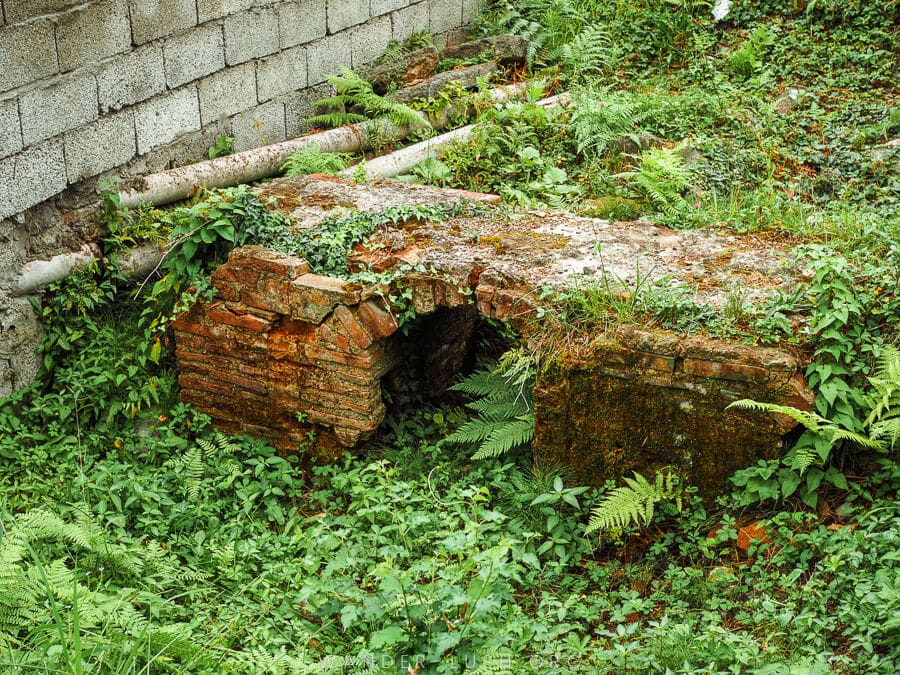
(386, 637)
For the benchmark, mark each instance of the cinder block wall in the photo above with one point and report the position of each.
(98, 87)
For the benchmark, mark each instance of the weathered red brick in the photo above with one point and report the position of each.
(422, 294)
(240, 309)
(188, 325)
(197, 383)
(484, 297)
(327, 334)
(265, 260)
(313, 296)
(248, 321)
(227, 291)
(725, 371)
(378, 322)
(250, 384)
(316, 353)
(357, 332)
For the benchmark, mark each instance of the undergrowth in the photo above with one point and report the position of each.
(136, 538)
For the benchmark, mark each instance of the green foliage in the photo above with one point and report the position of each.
(806, 465)
(600, 117)
(327, 246)
(662, 179)
(505, 420)
(353, 92)
(311, 160)
(746, 61)
(223, 145)
(634, 502)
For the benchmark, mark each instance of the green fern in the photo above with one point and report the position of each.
(884, 416)
(505, 419)
(352, 91)
(883, 421)
(311, 160)
(599, 117)
(803, 457)
(205, 457)
(661, 179)
(635, 502)
(587, 56)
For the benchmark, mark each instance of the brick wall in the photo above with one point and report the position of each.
(277, 341)
(90, 88)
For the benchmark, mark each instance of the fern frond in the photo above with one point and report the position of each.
(661, 179)
(311, 160)
(354, 91)
(504, 419)
(883, 420)
(814, 422)
(599, 117)
(587, 55)
(507, 436)
(634, 502)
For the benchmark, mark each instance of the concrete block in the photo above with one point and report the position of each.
(10, 129)
(345, 13)
(367, 42)
(160, 120)
(301, 22)
(471, 9)
(186, 149)
(379, 7)
(214, 9)
(28, 53)
(324, 56)
(250, 35)
(299, 107)
(20, 336)
(20, 10)
(152, 19)
(107, 143)
(281, 73)
(93, 33)
(227, 92)
(131, 78)
(405, 22)
(261, 126)
(68, 102)
(193, 54)
(32, 176)
(444, 16)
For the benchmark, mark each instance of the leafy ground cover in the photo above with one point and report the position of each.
(135, 538)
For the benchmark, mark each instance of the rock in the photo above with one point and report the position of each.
(887, 155)
(431, 87)
(412, 67)
(505, 49)
(689, 154)
(789, 100)
(635, 144)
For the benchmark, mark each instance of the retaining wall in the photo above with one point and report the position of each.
(93, 88)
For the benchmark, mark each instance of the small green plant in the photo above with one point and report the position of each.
(311, 160)
(223, 145)
(635, 502)
(662, 180)
(353, 92)
(505, 420)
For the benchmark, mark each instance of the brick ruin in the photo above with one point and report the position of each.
(281, 352)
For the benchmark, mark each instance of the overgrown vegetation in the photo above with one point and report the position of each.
(135, 538)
